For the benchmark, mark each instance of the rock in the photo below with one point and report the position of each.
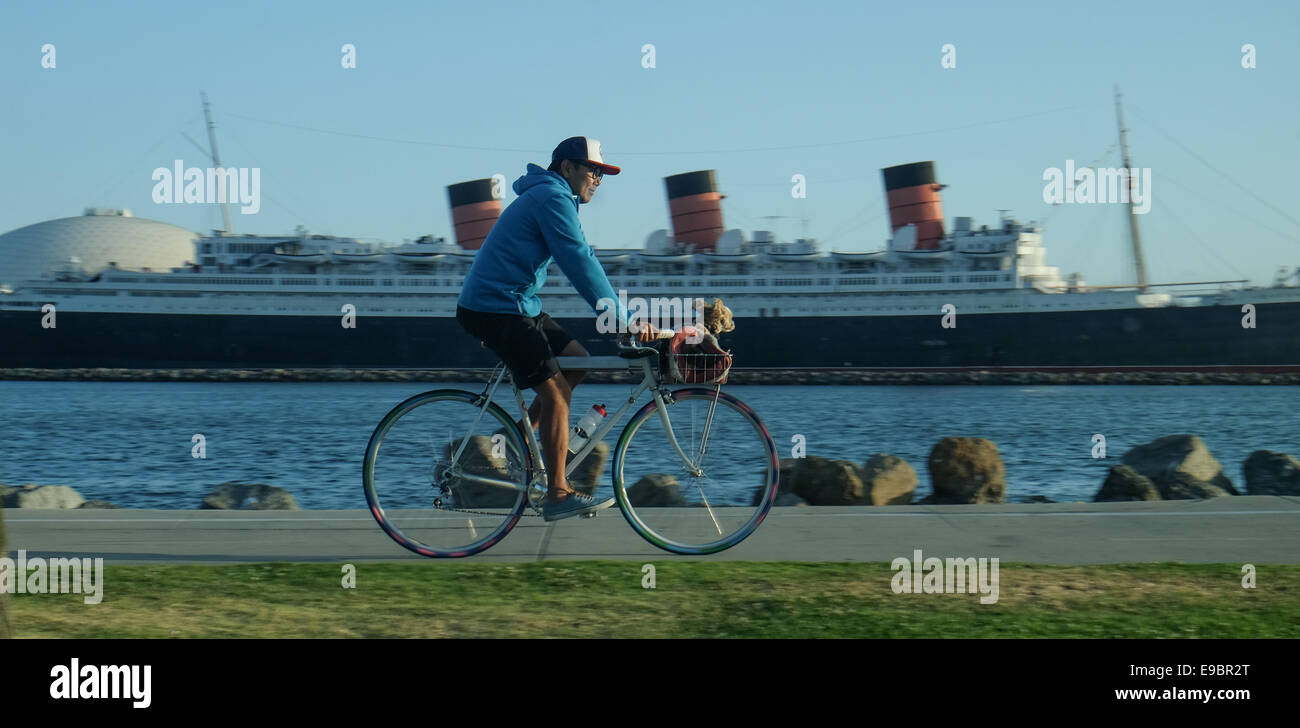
(1126, 484)
(586, 478)
(967, 470)
(249, 497)
(1161, 459)
(888, 480)
(39, 496)
(656, 491)
(784, 480)
(823, 482)
(1271, 473)
(97, 504)
(789, 499)
(478, 460)
(1181, 486)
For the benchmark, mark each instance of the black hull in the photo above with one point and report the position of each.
(1160, 338)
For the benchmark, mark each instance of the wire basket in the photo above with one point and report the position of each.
(690, 367)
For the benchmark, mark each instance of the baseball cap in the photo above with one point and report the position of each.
(582, 149)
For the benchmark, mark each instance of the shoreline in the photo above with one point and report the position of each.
(838, 376)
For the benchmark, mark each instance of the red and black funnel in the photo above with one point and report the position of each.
(913, 193)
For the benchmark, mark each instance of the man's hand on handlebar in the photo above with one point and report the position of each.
(641, 332)
(647, 333)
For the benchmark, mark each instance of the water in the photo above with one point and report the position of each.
(130, 442)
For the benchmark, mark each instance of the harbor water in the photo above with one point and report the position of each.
(133, 443)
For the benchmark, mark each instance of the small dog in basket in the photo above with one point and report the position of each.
(694, 354)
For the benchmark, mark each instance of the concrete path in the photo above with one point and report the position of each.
(1237, 529)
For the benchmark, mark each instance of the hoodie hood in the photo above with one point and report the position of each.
(537, 176)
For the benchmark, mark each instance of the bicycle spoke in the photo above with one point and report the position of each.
(706, 505)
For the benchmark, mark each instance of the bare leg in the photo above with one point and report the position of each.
(553, 417)
(573, 377)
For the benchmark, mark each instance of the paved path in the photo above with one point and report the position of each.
(1237, 529)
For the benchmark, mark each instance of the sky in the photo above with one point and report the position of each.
(444, 92)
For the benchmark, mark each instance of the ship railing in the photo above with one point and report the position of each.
(1178, 289)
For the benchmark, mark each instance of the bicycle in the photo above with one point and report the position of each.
(457, 472)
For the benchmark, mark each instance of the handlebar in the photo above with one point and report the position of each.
(628, 342)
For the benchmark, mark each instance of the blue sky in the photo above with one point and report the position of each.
(758, 91)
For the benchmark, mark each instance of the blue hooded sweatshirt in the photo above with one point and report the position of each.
(541, 225)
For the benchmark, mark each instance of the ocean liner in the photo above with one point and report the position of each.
(969, 297)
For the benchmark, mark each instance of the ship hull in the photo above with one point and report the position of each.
(1156, 338)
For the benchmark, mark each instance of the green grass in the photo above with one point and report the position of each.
(691, 599)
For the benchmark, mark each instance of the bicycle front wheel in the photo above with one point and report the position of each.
(415, 473)
(717, 496)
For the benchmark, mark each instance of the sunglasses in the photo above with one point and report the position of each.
(596, 172)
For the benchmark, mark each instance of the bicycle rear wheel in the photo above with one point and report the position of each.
(696, 511)
(414, 480)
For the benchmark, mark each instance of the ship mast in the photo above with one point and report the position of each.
(216, 159)
(1132, 217)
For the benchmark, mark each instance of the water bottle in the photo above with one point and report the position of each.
(582, 431)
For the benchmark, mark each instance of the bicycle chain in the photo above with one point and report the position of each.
(488, 513)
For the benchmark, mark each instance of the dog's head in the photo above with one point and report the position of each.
(716, 317)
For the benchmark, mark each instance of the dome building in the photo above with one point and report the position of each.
(95, 239)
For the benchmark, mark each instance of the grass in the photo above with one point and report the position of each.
(691, 599)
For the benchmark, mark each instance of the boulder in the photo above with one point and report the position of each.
(249, 497)
(586, 478)
(478, 460)
(784, 481)
(1181, 486)
(93, 504)
(966, 470)
(1126, 484)
(656, 491)
(789, 499)
(39, 496)
(1271, 473)
(888, 480)
(823, 482)
(1160, 461)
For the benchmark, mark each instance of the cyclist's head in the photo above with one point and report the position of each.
(578, 161)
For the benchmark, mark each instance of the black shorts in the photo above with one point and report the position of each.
(528, 346)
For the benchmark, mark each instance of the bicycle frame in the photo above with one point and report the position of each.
(538, 476)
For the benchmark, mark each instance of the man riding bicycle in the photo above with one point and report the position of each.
(499, 305)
